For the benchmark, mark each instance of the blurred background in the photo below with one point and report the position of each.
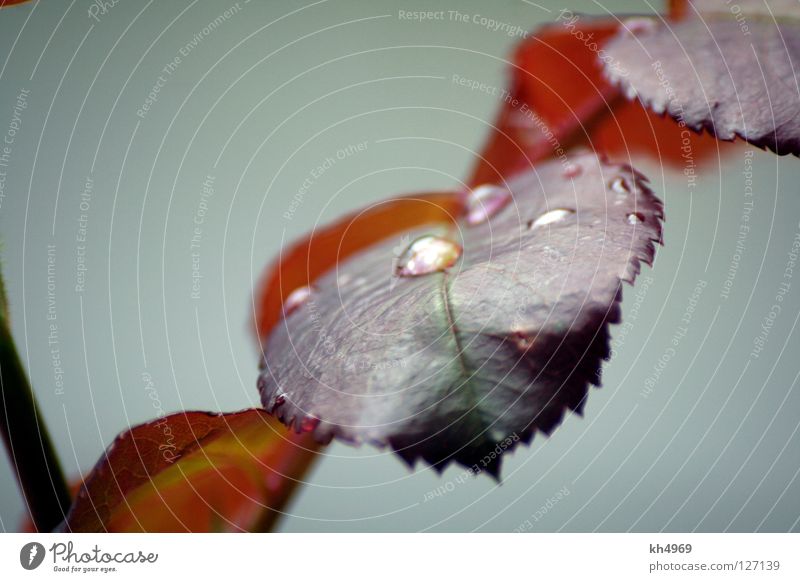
(132, 122)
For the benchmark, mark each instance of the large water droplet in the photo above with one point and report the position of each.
(485, 201)
(555, 215)
(295, 299)
(427, 254)
(620, 185)
(635, 218)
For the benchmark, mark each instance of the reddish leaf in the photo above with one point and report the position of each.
(193, 471)
(305, 260)
(560, 99)
(453, 363)
(712, 71)
(556, 86)
(6, 3)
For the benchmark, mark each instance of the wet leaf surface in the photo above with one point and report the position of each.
(468, 360)
(732, 76)
(193, 471)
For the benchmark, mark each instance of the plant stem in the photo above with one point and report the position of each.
(26, 438)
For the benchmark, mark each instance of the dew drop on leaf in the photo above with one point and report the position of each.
(620, 185)
(296, 299)
(572, 170)
(427, 254)
(640, 25)
(555, 215)
(309, 423)
(635, 218)
(485, 201)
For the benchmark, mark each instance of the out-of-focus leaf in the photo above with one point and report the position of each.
(193, 471)
(305, 260)
(560, 99)
(735, 76)
(743, 8)
(462, 363)
(6, 3)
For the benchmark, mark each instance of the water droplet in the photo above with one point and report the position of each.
(280, 400)
(309, 423)
(555, 215)
(635, 218)
(427, 254)
(485, 201)
(620, 185)
(522, 340)
(295, 299)
(640, 25)
(572, 170)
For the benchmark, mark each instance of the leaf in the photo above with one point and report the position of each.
(733, 76)
(458, 364)
(556, 87)
(559, 99)
(7, 3)
(193, 471)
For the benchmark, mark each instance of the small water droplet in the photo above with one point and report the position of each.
(427, 254)
(572, 170)
(522, 340)
(620, 185)
(555, 215)
(295, 299)
(485, 201)
(640, 25)
(635, 218)
(280, 400)
(309, 423)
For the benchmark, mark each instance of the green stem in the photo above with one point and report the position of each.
(29, 447)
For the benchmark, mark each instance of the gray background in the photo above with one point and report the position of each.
(266, 97)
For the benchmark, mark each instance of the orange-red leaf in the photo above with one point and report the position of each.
(560, 99)
(193, 471)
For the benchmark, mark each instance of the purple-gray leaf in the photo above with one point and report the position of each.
(490, 345)
(727, 71)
